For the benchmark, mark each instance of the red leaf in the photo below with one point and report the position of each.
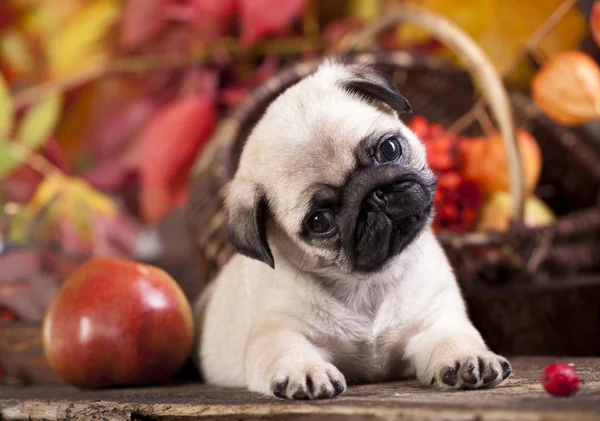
(116, 172)
(120, 128)
(169, 145)
(173, 137)
(155, 202)
(7, 16)
(20, 185)
(209, 17)
(55, 155)
(262, 18)
(142, 20)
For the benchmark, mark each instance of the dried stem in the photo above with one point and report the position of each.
(36, 161)
(153, 62)
(484, 121)
(540, 33)
(467, 119)
(528, 48)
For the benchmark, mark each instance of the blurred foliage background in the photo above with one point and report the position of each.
(104, 105)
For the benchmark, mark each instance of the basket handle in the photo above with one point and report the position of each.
(479, 67)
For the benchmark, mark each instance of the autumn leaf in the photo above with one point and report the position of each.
(39, 122)
(174, 135)
(209, 17)
(10, 158)
(55, 155)
(501, 27)
(71, 194)
(35, 128)
(365, 9)
(20, 185)
(16, 56)
(142, 19)
(88, 115)
(6, 110)
(263, 18)
(79, 43)
(42, 18)
(169, 145)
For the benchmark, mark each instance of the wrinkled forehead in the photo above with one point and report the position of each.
(309, 137)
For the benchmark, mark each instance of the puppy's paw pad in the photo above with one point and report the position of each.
(449, 375)
(472, 372)
(506, 369)
(317, 381)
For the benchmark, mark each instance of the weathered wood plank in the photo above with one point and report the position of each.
(521, 398)
(22, 357)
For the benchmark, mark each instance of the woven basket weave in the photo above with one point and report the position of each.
(494, 270)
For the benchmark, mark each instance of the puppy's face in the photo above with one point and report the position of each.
(332, 174)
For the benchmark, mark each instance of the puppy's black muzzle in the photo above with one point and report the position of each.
(391, 211)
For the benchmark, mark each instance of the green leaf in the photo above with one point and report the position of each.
(6, 109)
(9, 158)
(39, 122)
(20, 227)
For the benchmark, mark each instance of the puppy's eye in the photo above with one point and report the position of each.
(390, 150)
(321, 222)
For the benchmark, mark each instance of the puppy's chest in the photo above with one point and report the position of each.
(364, 349)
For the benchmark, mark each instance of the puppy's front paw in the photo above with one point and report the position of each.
(474, 371)
(319, 380)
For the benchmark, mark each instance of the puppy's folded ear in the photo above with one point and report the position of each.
(247, 209)
(373, 85)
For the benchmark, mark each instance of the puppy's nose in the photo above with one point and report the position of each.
(377, 197)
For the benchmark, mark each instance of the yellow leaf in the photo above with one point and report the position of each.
(96, 201)
(15, 53)
(501, 27)
(20, 226)
(79, 43)
(74, 198)
(365, 9)
(47, 191)
(39, 122)
(10, 158)
(43, 18)
(6, 110)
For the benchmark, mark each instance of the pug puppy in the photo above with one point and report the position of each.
(338, 278)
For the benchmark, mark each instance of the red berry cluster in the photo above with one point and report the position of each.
(456, 199)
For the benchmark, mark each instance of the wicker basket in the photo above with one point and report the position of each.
(515, 283)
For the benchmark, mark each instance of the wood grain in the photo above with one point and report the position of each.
(520, 398)
(22, 357)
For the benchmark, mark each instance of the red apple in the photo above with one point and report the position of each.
(117, 322)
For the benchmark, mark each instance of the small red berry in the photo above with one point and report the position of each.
(560, 380)
(419, 125)
(436, 130)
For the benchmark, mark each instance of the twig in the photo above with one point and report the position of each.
(484, 121)
(540, 33)
(36, 161)
(153, 62)
(528, 48)
(466, 119)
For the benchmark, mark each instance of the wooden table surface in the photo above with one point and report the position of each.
(520, 398)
